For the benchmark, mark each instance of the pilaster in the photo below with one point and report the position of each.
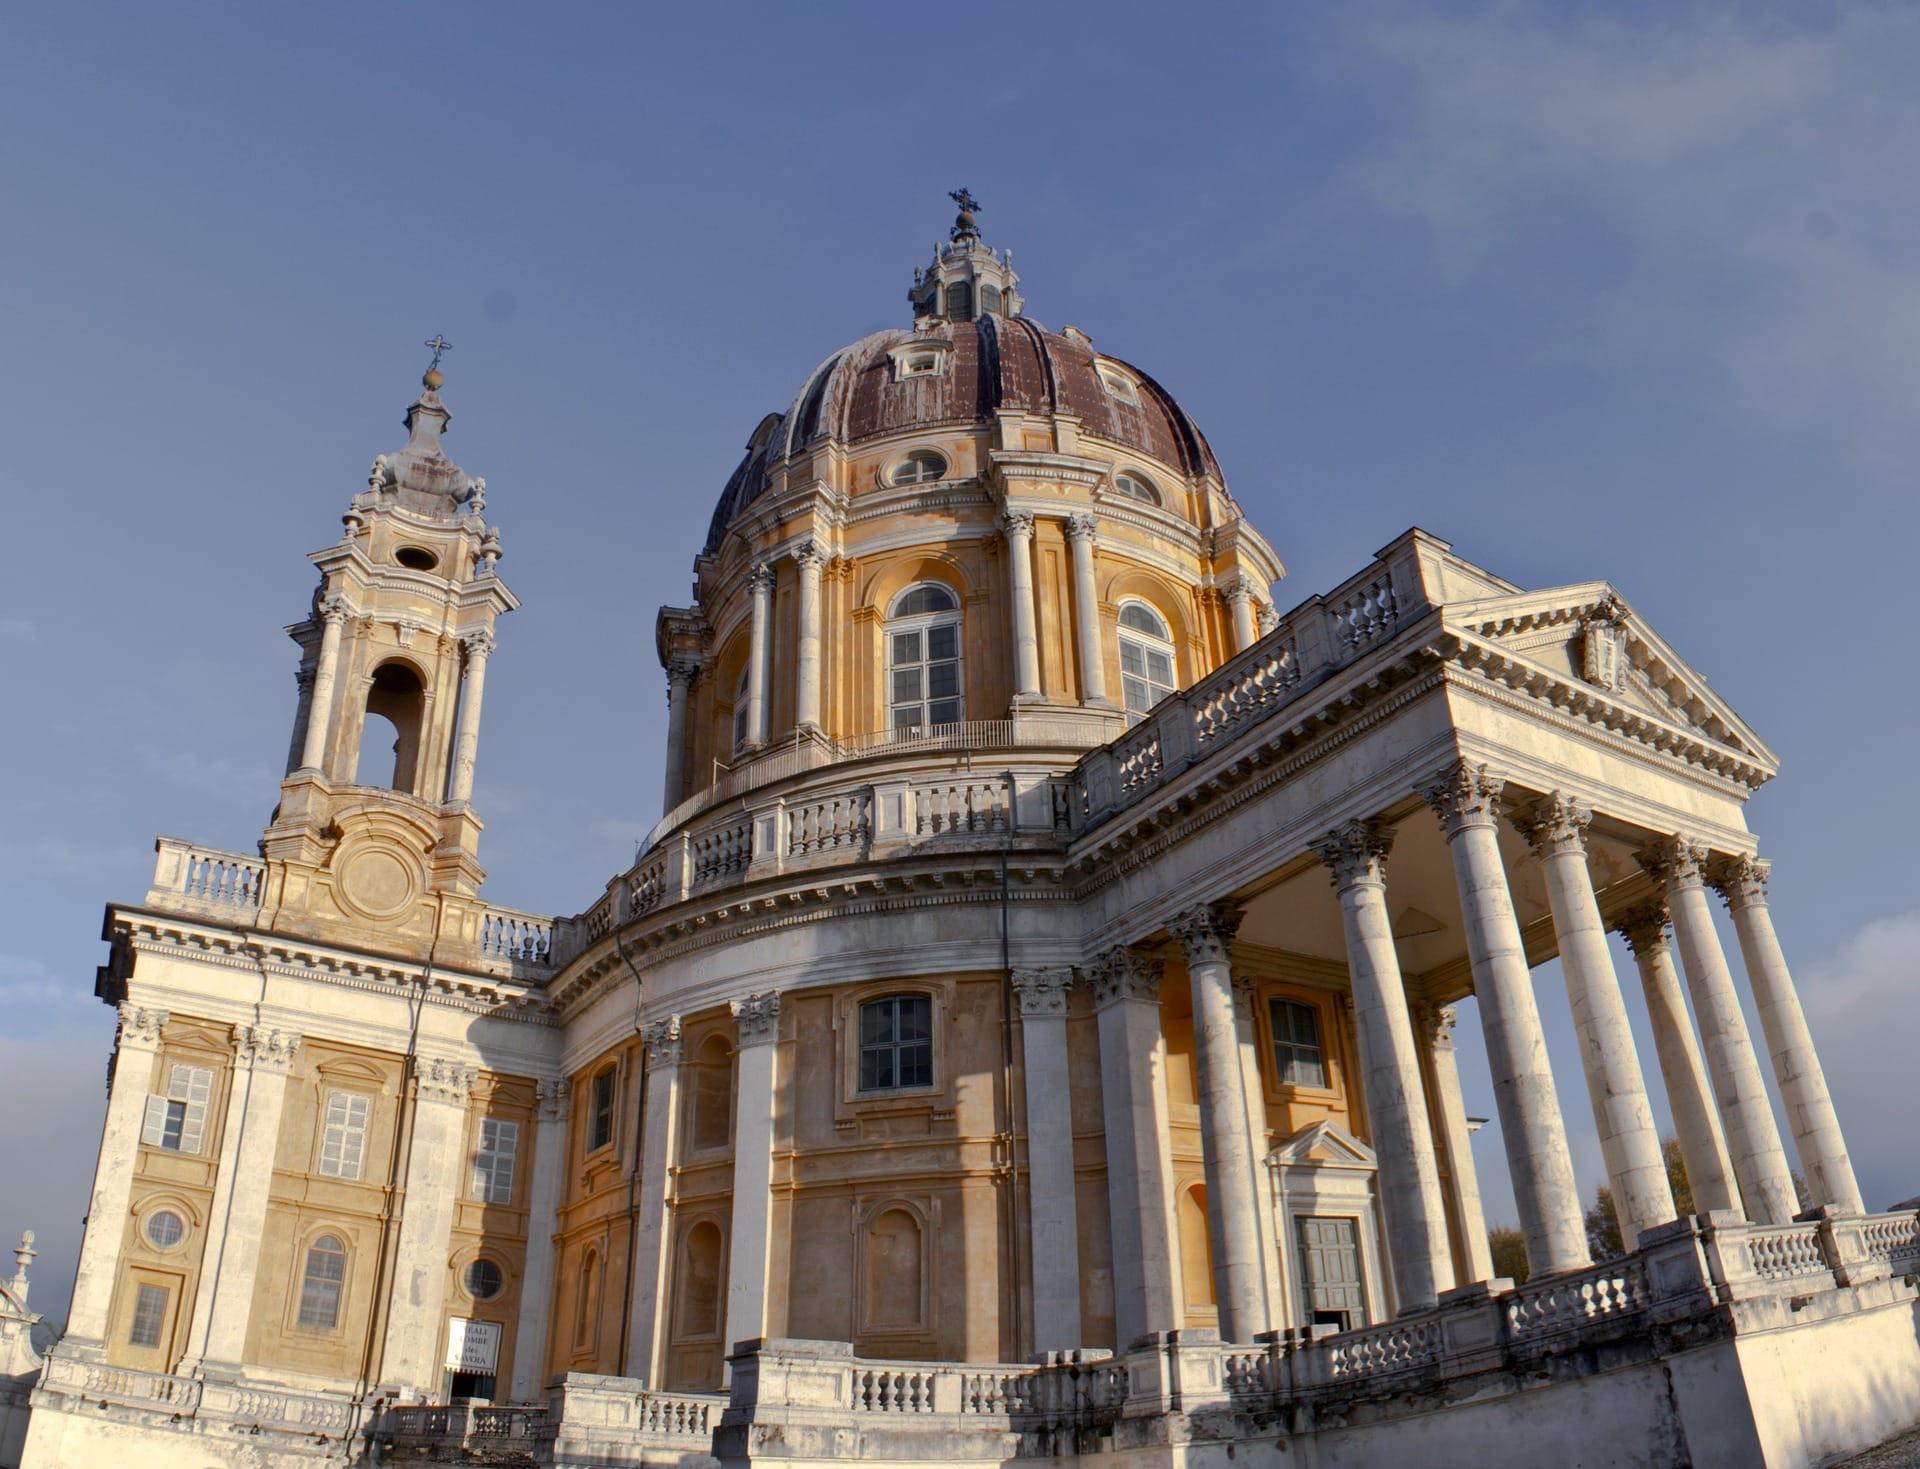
(1042, 996)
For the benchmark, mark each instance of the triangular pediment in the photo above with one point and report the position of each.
(1589, 637)
(1323, 1145)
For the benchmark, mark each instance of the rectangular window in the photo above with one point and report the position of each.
(149, 1315)
(493, 1161)
(601, 1134)
(322, 1284)
(177, 1119)
(343, 1143)
(896, 1043)
(1297, 1060)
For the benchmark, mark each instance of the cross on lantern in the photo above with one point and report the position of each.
(439, 344)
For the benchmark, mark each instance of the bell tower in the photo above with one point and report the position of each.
(375, 840)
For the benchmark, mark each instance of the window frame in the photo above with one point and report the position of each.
(1118, 385)
(153, 1216)
(1148, 644)
(1145, 491)
(466, 1279)
(935, 1102)
(312, 1286)
(742, 695)
(189, 1089)
(922, 626)
(145, 1293)
(894, 1045)
(350, 1131)
(485, 1182)
(896, 470)
(1276, 1044)
(599, 1113)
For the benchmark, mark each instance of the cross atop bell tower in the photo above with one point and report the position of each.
(375, 837)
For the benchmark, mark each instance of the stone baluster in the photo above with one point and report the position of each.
(1133, 1104)
(1742, 882)
(237, 1213)
(1233, 1194)
(760, 587)
(808, 558)
(1055, 1253)
(1466, 801)
(1026, 637)
(757, 1021)
(333, 616)
(1556, 829)
(1473, 1255)
(646, 1331)
(1083, 532)
(1241, 599)
(1753, 1141)
(1402, 1132)
(136, 1047)
(680, 676)
(466, 745)
(433, 1175)
(537, 1285)
(1689, 1097)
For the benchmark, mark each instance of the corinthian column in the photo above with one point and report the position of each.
(1082, 534)
(333, 616)
(1042, 994)
(1233, 1194)
(1240, 599)
(1742, 881)
(760, 586)
(1702, 1148)
(1026, 637)
(1409, 1186)
(807, 557)
(466, 745)
(1753, 1142)
(1466, 799)
(646, 1334)
(757, 1020)
(1556, 829)
(680, 673)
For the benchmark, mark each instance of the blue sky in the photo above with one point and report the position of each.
(1629, 292)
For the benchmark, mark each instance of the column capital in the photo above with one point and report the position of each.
(303, 678)
(662, 1040)
(1206, 930)
(760, 578)
(808, 553)
(1016, 525)
(266, 1049)
(1555, 824)
(1237, 589)
(1083, 528)
(477, 644)
(1741, 881)
(334, 610)
(139, 1025)
(1674, 862)
(442, 1079)
(551, 1097)
(757, 1018)
(1644, 927)
(1464, 795)
(682, 671)
(1356, 853)
(1125, 973)
(1042, 991)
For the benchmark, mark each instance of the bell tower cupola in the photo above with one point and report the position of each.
(376, 829)
(967, 279)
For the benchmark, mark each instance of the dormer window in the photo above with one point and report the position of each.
(1136, 487)
(921, 467)
(1119, 385)
(920, 357)
(921, 366)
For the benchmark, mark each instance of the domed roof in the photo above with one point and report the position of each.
(997, 361)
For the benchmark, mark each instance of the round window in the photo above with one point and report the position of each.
(483, 1279)
(416, 558)
(165, 1229)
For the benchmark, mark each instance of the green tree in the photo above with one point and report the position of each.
(1603, 1221)
(1509, 1249)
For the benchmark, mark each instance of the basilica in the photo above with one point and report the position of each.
(1027, 1033)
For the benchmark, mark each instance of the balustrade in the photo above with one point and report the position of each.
(1894, 1238)
(520, 937)
(1360, 617)
(962, 805)
(722, 851)
(1398, 1346)
(1563, 1302)
(1785, 1251)
(829, 823)
(205, 879)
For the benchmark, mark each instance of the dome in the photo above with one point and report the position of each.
(991, 363)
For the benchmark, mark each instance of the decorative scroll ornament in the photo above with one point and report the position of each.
(1555, 824)
(1125, 973)
(1674, 862)
(266, 1049)
(1204, 932)
(440, 1079)
(682, 672)
(662, 1040)
(1356, 853)
(808, 553)
(552, 1097)
(141, 1025)
(1742, 881)
(1042, 991)
(1644, 927)
(757, 1018)
(1603, 645)
(1465, 796)
(762, 576)
(478, 644)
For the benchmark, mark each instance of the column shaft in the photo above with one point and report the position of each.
(1082, 534)
(1473, 1260)
(758, 1021)
(646, 1327)
(136, 1046)
(1133, 1106)
(1051, 1205)
(1232, 1195)
(1689, 1097)
(760, 586)
(325, 671)
(1026, 637)
(1544, 1190)
(1753, 1141)
(537, 1285)
(1246, 1033)
(1622, 1115)
(1409, 1183)
(807, 702)
(679, 684)
(440, 1089)
(1796, 1065)
(1240, 598)
(466, 746)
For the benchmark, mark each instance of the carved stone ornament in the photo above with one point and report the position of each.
(1042, 991)
(1126, 973)
(266, 1049)
(757, 1018)
(1083, 528)
(662, 1040)
(441, 1079)
(1644, 927)
(478, 645)
(1555, 824)
(1267, 618)
(761, 578)
(1603, 645)
(334, 609)
(1464, 796)
(1016, 525)
(1356, 853)
(682, 672)
(552, 1097)
(1741, 880)
(808, 553)
(141, 1026)
(1674, 862)
(1204, 932)
(1238, 589)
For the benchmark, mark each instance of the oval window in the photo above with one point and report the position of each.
(483, 1280)
(165, 1229)
(921, 467)
(1137, 487)
(416, 558)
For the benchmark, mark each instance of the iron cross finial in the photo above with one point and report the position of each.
(964, 198)
(439, 344)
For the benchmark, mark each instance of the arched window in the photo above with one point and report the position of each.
(1137, 487)
(989, 298)
(586, 1302)
(921, 467)
(960, 302)
(396, 707)
(925, 687)
(322, 1283)
(700, 1281)
(895, 1267)
(896, 1043)
(740, 708)
(712, 1120)
(1146, 658)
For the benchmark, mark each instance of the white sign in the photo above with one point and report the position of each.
(473, 1346)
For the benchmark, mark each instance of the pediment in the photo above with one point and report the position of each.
(1323, 1145)
(1589, 636)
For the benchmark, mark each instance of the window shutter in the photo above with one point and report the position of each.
(194, 1086)
(154, 1126)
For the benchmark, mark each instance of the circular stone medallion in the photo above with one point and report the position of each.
(377, 882)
